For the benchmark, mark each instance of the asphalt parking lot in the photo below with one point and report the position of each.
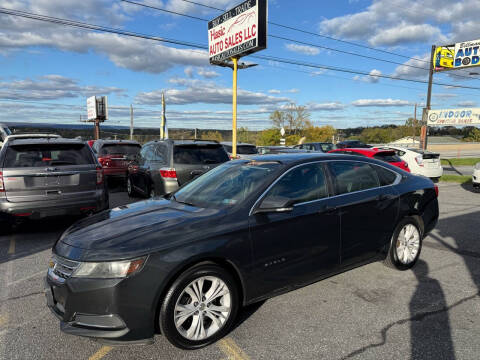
(372, 312)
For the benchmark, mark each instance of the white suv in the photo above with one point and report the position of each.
(476, 175)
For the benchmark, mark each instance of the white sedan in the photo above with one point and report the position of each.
(420, 162)
(476, 175)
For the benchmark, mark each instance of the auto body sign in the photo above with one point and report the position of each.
(467, 116)
(238, 32)
(457, 56)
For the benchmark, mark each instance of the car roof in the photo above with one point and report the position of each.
(238, 143)
(109, 142)
(185, 141)
(38, 141)
(365, 151)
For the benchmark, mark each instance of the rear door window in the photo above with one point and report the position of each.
(352, 176)
(302, 184)
(199, 154)
(385, 176)
(42, 155)
(123, 149)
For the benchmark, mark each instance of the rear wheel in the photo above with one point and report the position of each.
(200, 307)
(405, 245)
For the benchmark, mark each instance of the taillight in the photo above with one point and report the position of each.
(436, 189)
(168, 173)
(419, 160)
(2, 188)
(103, 161)
(99, 176)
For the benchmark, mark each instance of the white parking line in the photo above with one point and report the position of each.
(26, 278)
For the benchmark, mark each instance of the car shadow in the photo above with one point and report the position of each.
(245, 313)
(430, 330)
(469, 187)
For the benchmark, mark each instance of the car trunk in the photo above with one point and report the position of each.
(116, 155)
(431, 160)
(193, 160)
(48, 172)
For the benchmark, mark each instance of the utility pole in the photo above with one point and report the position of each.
(234, 109)
(162, 127)
(195, 134)
(414, 125)
(131, 122)
(423, 133)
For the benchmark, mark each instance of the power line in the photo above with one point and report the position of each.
(89, 26)
(293, 40)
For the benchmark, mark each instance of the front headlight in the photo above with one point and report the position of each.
(477, 166)
(109, 269)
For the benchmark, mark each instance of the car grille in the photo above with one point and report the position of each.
(64, 268)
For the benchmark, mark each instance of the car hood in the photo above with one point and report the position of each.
(137, 228)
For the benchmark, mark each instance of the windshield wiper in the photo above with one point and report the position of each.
(181, 202)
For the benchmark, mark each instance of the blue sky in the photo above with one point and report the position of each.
(48, 71)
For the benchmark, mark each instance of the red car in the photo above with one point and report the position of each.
(115, 155)
(383, 155)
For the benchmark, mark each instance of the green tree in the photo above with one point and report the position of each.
(294, 119)
(212, 135)
(320, 133)
(473, 135)
(268, 137)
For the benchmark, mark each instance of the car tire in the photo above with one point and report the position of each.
(405, 245)
(130, 191)
(151, 191)
(184, 331)
(435, 179)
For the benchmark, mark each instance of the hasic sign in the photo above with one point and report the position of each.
(467, 116)
(238, 32)
(456, 56)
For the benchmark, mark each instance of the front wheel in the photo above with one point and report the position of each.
(405, 245)
(130, 191)
(200, 307)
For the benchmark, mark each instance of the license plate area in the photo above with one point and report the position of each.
(52, 180)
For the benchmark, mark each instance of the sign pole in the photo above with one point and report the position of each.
(424, 138)
(234, 108)
(162, 127)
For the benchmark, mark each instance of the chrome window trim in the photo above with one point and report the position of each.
(329, 196)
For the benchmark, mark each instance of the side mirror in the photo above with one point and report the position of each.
(274, 204)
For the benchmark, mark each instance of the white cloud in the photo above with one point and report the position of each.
(199, 91)
(131, 53)
(188, 71)
(207, 74)
(274, 91)
(443, 95)
(406, 34)
(467, 103)
(302, 49)
(402, 22)
(329, 106)
(51, 87)
(416, 68)
(380, 102)
(372, 77)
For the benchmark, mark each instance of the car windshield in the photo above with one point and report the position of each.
(124, 149)
(199, 154)
(42, 155)
(7, 131)
(228, 184)
(327, 147)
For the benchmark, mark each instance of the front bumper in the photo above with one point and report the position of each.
(99, 308)
(476, 177)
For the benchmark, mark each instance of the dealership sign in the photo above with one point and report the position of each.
(467, 116)
(240, 31)
(457, 56)
(91, 108)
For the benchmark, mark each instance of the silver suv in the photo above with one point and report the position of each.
(42, 177)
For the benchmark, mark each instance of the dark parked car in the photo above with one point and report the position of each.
(244, 150)
(43, 177)
(263, 150)
(115, 155)
(351, 144)
(316, 146)
(246, 231)
(163, 166)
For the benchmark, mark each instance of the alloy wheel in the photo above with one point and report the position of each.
(202, 308)
(408, 244)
